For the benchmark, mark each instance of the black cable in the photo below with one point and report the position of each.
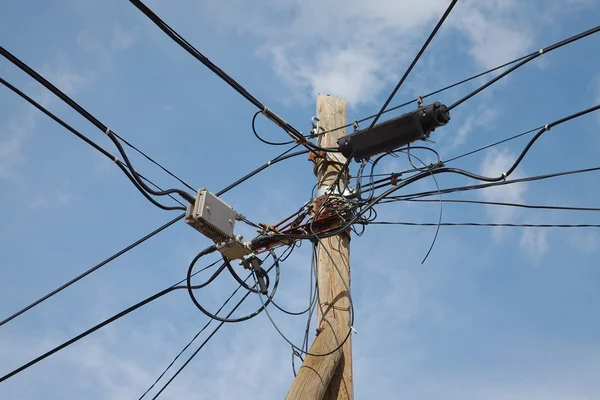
(111, 319)
(391, 96)
(194, 339)
(493, 144)
(451, 86)
(541, 130)
(437, 230)
(90, 142)
(479, 224)
(201, 345)
(281, 157)
(94, 268)
(519, 205)
(60, 94)
(297, 135)
(492, 184)
(525, 61)
(190, 288)
(414, 62)
(263, 140)
(186, 196)
(275, 265)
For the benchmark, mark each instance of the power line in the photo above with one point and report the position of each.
(492, 184)
(193, 340)
(494, 144)
(109, 320)
(129, 174)
(480, 224)
(391, 96)
(380, 183)
(414, 62)
(281, 258)
(505, 204)
(297, 135)
(83, 112)
(535, 55)
(93, 269)
(445, 88)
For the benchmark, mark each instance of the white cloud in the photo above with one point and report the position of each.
(14, 136)
(494, 32)
(121, 39)
(481, 117)
(354, 49)
(11, 146)
(534, 241)
(61, 196)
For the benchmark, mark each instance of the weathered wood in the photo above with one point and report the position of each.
(314, 376)
(330, 377)
(334, 302)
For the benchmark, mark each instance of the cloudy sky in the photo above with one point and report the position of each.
(504, 313)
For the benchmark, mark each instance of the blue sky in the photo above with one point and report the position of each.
(493, 313)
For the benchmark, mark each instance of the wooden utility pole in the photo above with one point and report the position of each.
(330, 377)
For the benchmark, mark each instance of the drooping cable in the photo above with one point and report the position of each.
(277, 260)
(398, 86)
(532, 57)
(507, 204)
(293, 132)
(60, 94)
(540, 131)
(115, 317)
(414, 62)
(128, 174)
(93, 269)
(264, 140)
(481, 224)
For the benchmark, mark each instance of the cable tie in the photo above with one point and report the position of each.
(547, 127)
(107, 131)
(269, 163)
(116, 159)
(504, 177)
(353, 330)
(541, 51)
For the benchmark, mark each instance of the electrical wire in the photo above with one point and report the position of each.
(93, 269)
(263, 140)
(112, 319)
(191, 288)
(293, 132)
(504, 204)
(400, 83)
(540, 131)
(443, 89)
(277, 260)
(532, 57)
(480, 224)
(91, 143)
(413, 63)
(441, 200)
(84, 113)
(194, 339)
(281, 157)
(493, 184)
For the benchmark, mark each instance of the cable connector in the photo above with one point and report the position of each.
(253, 263)
(234, 249)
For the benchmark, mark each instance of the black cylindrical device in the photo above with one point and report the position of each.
(395, 133)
